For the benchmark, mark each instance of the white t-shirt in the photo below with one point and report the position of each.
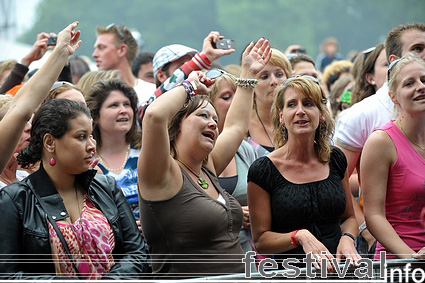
(356, 123)
(144, 90)
(20, 175)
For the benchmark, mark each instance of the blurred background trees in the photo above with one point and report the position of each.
(357, 24)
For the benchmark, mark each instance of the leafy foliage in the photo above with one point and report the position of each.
(357, 24)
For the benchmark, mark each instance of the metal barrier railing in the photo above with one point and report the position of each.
(257, 276)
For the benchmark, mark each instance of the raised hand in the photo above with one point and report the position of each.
(211, 52)
(203, 83)
(38, 49)
(256, 56)
(69, 38)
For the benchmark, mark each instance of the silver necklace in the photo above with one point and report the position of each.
(264, 128)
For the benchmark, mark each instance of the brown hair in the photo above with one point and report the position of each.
(364, 64)
(301, 58)
(314, 91)
(336, 93)
(174, 125)
(393, 44)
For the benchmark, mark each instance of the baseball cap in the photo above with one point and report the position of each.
(169, 54)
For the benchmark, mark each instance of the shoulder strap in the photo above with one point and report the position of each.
(58, 231)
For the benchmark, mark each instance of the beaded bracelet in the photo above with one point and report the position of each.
(190, 88)
(245, 83)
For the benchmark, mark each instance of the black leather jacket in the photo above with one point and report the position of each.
(25, 251)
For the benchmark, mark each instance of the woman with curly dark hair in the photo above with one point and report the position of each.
(78, 222)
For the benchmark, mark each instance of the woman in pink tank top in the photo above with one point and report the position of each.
(394, 159)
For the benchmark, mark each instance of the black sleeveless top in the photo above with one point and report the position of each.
(316, 206)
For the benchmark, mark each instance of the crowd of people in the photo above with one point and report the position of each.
(168, 165)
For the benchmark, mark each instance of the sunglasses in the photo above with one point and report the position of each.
(117, 29)
(311, 78)
(59, 84)
(214, 73)
(367, 52)
(392, 66)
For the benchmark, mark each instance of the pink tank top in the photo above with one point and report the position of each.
(405, 192)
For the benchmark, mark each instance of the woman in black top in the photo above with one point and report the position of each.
(297, 194)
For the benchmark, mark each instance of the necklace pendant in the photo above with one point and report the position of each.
(203, 183)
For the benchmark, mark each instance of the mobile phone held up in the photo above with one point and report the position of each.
(224, 44)
(52, 40)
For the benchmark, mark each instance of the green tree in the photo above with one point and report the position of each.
(357, 24)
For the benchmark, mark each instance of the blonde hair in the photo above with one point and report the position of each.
(90, 78)
(6, 66)
(216, 86)
(53, 94)
(312, 90)
(334, 70)
(393, 79)
(233, 69)
(279, 59)
(122, 36)
(5, 101)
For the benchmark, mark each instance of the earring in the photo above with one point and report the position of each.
(373, 83)
(284, 133)
(52, 162)
(322, 130)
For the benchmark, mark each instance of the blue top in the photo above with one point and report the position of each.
(127, 180)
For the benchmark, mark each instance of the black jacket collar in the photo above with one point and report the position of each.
(53, 203)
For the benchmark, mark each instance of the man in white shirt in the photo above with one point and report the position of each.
(115, 49)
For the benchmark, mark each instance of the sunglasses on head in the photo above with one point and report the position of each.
(391, 66)
(59, 84)
(214, 73)
(119, 32)
(367, 52)
(311, 78)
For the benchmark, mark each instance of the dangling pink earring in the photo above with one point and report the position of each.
(52, 162)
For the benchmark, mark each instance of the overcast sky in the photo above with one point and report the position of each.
(25, 14)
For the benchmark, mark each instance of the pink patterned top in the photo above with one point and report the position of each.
(90, 240)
